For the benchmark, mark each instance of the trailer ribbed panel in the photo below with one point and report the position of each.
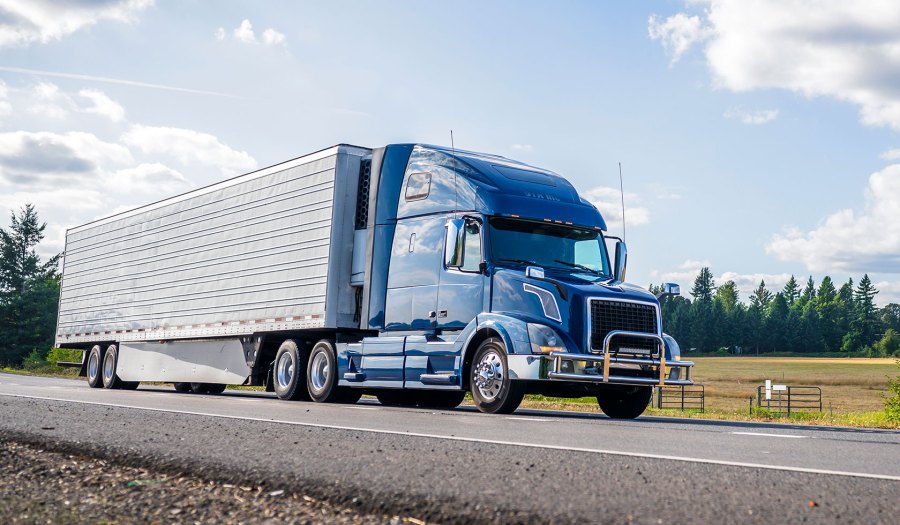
(250, 255)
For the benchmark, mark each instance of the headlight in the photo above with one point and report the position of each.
(544, 339)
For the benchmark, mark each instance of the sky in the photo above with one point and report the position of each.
(759, 138)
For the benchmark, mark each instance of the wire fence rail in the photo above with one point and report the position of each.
(792, 398)
(683, 397)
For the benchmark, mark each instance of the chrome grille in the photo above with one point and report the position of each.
(606, 316)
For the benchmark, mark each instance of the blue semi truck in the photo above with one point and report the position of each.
(411, 272)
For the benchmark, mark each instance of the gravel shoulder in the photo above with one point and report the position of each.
(41, 486)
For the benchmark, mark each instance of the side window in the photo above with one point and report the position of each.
(471, 247)
(417, 186)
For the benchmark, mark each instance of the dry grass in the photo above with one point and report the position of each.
(848, 385)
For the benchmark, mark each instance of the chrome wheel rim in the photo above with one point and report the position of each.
(93, 364)
(108, 370)
(488, 375)
(285, 370)
(319, 371)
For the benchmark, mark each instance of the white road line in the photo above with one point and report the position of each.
(769, 435)
(361, 408)
(481, 440)
(523, 418)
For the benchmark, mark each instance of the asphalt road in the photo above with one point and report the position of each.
(463, 466)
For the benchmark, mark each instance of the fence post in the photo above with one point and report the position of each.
(682, 398)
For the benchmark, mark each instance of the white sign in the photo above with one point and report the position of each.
(779, 387)
(768, 389)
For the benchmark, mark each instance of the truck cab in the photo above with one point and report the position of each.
(487, 275)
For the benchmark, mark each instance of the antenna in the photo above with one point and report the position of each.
(455, 185)
(622, 193)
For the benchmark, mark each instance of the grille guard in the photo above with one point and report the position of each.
(608, 359)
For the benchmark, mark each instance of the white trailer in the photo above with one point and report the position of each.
(176, 289)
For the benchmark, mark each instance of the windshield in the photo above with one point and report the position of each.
(522, 242)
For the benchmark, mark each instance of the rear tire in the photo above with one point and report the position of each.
(94, 368)
(110, 361)
(215, 388)
(289, 373)
(624, 402)
(198, 388)
(321, 375)
(440, 398)
(492, 389)
(182, 387)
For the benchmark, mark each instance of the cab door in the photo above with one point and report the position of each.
(461, 291)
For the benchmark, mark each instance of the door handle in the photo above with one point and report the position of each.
(442, 314)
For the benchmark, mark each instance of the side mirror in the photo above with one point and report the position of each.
(669, 290)
(453, 246)
(621, 260)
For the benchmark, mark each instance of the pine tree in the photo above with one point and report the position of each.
(704, 286)
(866, 321)
(791, 291)
(809, 293)
(761, 296)
(829, 310)
(29, 289)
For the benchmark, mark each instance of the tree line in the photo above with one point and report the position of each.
(815, 318)
(29, 290)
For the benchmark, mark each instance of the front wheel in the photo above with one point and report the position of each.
(624, 402)
(492, 389)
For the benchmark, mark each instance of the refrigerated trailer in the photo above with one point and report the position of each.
(411, 272)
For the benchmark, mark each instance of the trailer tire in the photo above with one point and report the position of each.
(624, 403)
(215, 388)
(94, 369)
(182, 387)
(289, 372)
(440, 398)
(492, 389)
(321, 375)
(110, 362)
(198, 388)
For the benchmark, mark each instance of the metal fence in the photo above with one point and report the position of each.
(792, 398)
(683, 397)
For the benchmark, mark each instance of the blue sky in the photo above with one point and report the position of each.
(757, 138)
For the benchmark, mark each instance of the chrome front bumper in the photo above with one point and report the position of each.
(598, 368)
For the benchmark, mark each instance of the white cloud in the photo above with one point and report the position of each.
(25, 22)
(189, 147)
(888, 292)
(522, 147)
(102, 105)
(5, 107)
(608, 201)
(746, 282)
(153, 178)
(271, 37)
(849, 51)
(34, 160)
(49, 101)
(677, 33)
(867, 240)
(891, 154)
(244, 33)
(220, 34)
(748, 116)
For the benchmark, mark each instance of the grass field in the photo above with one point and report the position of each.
(853, 389)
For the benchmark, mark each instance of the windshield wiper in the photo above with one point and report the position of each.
(580, 267)
(519, 261)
